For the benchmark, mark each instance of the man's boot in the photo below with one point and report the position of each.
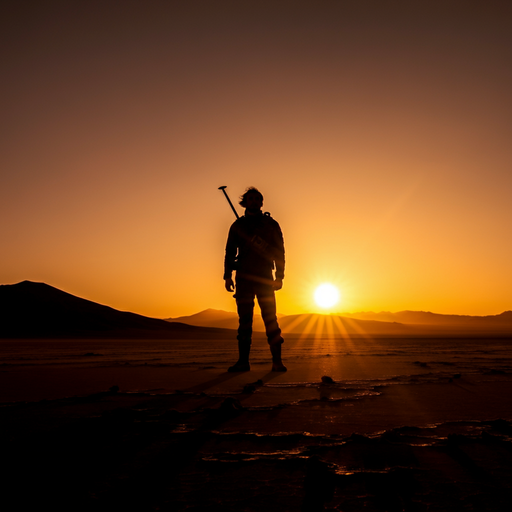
(242, 365)
(277, 363)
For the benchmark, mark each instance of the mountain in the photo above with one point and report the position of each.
(427, 318)
(299, 324)
(33, 310)
(217, 318)
(403, 323)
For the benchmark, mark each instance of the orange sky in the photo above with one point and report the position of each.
(379, 136)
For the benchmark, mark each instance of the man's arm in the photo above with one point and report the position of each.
(278, 257)
(230, 258)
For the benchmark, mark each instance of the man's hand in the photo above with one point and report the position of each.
(229, 284)
(277, 284)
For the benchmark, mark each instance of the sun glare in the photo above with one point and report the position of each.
(326, 295)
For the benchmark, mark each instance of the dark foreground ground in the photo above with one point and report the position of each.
(426, 428)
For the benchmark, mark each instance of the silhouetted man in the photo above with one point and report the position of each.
(254, 249)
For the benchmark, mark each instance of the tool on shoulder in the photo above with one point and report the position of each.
(229, 200)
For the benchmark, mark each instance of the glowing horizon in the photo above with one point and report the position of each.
(378, 135)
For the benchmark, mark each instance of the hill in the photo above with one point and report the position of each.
(34, 310)
(38, 310)
(427, 318)
(300, 324)
(403, 323)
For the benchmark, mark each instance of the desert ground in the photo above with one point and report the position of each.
(361, 423)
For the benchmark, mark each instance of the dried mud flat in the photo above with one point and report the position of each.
(414, 425)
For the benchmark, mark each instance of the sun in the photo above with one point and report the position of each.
(326, 295)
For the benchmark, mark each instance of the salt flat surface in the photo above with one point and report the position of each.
(37, 369)
(374, 424)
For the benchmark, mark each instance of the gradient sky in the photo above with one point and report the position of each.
(379, 133)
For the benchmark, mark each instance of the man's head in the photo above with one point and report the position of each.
(251, 200)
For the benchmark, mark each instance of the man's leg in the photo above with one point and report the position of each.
(267, 302)
(245, 305)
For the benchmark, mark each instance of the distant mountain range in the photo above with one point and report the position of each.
(297, 324)
(35, 310)
(428, 318)
(402, 323)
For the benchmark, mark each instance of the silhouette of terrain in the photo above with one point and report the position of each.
(33, 310)
(313, 324)
(428, 318)
(404, 322)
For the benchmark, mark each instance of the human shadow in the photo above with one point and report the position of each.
(224, 377)
(199, 388)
